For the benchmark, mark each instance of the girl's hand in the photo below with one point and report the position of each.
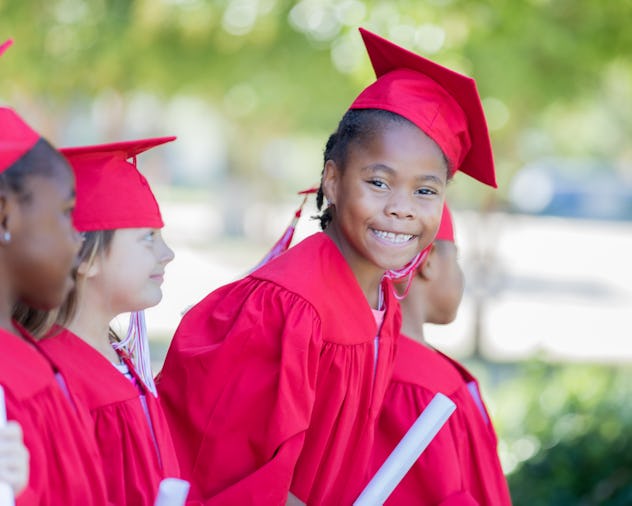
(14, 457)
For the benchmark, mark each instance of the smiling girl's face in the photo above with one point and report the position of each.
(130, 274)
(387, 199)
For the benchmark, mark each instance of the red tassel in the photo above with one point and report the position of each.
(284, 242)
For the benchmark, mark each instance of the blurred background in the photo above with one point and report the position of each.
(252, 89)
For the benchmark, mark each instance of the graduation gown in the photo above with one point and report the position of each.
(271, 383)
(460, 466)
(64, 460)
(135, 445)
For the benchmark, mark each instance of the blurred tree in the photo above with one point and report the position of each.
(550, 71)
(567, 434)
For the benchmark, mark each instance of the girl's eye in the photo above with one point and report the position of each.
(150, 236)
(377, 183)
(426, 191)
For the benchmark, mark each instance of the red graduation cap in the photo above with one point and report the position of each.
(5, 45)
(111, 192)
(444, 104)
(446, 227)
(16, 138)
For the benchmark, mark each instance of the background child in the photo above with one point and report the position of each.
(120, 269)
(13, 454)
(274, 382)
(460, 466)
(38, 246)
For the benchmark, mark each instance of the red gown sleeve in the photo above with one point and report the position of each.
(131, 433)
(436, 475)
(65, 466)
(238, 390)
(460, 466)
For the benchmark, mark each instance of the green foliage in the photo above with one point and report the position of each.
(568, 432)
(557, 71)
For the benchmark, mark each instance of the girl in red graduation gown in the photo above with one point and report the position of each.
(38, 245)
(120, 269)
(273, 383)
(460, 466)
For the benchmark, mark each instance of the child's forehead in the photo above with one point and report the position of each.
(56, 185)
(396, 138)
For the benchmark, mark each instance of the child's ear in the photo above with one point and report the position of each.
(4, 204)
(6, 209)
(331, 176)
(88, 269)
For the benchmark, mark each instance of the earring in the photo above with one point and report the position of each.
(6, 237)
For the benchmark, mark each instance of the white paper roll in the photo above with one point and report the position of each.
(3, 408)
(6, 495)
(6, 492)
(172, 492)
(407, 451)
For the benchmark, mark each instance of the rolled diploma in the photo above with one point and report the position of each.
(172, 492)
(407, 451)
(6, 492)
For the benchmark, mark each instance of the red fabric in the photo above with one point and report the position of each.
(64, 461)
(269, 384)
(16, 138)
(132, 466)
(111, 192)
(460, 466)
(446, 227)
(442, 103)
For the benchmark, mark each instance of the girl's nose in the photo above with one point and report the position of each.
(400, 206)
(167, 254)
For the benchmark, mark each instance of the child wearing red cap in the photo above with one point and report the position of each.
(120, 269)
(13, 454)
(273, 384)
(285, 370)
(460, 466)
(38, 245)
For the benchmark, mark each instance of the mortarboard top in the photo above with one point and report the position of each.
(5, 45)
(446, 227)
(111, 192)
(444, 104)
(16, 138)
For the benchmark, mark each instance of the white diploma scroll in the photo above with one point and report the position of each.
(172, 492)
(407, 451)
(6, 492)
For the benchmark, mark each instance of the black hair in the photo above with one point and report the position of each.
(357, 126)
(38, 161)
